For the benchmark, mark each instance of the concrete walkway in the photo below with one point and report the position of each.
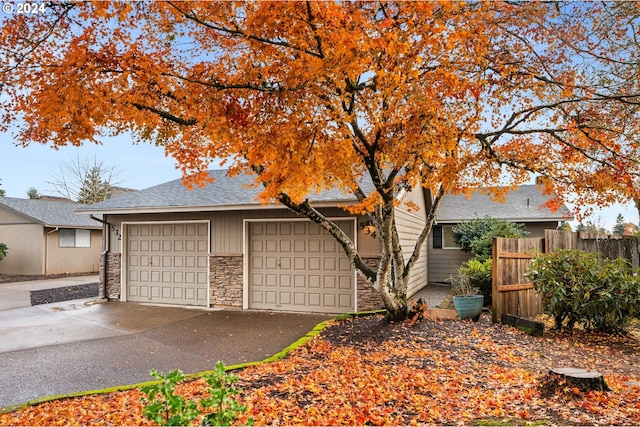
(18, 294)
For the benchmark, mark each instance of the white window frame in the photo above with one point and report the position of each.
(74, 238)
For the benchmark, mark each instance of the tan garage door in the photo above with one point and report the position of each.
(298, 266)
(168, 263)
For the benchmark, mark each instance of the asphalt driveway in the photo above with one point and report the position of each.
(84, 345)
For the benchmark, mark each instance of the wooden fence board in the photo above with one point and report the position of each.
(512, 293)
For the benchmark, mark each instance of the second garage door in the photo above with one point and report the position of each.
(168, 263)
(298, 266)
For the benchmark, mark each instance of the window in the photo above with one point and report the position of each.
(72, 238)
(447, 238)
(443, 237)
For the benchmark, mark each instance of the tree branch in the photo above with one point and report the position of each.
(238, 33)
(166, 115)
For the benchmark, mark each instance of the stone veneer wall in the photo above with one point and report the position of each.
(368, 298)
(113, 276)
(225, 280)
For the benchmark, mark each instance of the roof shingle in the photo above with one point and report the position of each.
(524, 203)
(49, 213)
(224, 192)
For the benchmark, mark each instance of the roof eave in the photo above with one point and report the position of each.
(547, 219)
(83, 226)
(204, 208)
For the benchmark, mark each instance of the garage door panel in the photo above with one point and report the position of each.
(271, 262)
(285, 298)
(330, 300)
(344, 283)
(329, 282)
(299, 246)
(299, 281)
(271, 297)
(299, 263)
(272, 280)
(346, 301)
(314, 246)
(168, 263)
(316, 272)
(329, 264)
(285, 280)
(344, 264)
(271, 246)
(315, 263)
(314, 282)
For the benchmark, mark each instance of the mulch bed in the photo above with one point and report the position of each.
(65, 293)
(10, 278)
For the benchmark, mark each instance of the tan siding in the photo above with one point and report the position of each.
(26, 249)
(417, 197)
(536, 229)
(409, 228)
(444, 262)
(72, 260)
(8, 217)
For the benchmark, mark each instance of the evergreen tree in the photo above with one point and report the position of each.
(33, 193)
(618, 229)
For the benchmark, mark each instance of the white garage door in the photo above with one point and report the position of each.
(168, 263)
(298, 266)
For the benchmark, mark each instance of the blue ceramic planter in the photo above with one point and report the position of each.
(468, 306)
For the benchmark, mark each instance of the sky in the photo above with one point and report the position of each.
(138, 166)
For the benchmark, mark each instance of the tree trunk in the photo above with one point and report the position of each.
(559, 379)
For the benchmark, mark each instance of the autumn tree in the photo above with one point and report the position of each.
(372, 98)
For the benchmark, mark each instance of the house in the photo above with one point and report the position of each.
(523, 205)
(47, 237)
(217, 246)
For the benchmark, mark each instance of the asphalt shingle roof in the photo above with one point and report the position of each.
(521, 204)
(49, 213)
(224, 192)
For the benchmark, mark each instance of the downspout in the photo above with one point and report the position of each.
(106, 244)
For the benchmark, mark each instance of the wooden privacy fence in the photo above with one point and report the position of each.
(512, 293)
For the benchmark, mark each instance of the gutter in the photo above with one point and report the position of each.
(106, 245)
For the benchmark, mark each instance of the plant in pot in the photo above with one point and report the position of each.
(467, 299)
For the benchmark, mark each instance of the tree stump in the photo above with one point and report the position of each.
(560, 379)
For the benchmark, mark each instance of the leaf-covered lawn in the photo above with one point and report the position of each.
(364, 371)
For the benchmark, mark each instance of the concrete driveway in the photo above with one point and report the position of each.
(84, 345)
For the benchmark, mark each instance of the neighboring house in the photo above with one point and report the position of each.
(48, 237)
(217, 246)
(523, 205)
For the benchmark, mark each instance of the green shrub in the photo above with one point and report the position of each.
(476, 236)
(164, 407)
(479, 274)
(577, 286)
(3, 251)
